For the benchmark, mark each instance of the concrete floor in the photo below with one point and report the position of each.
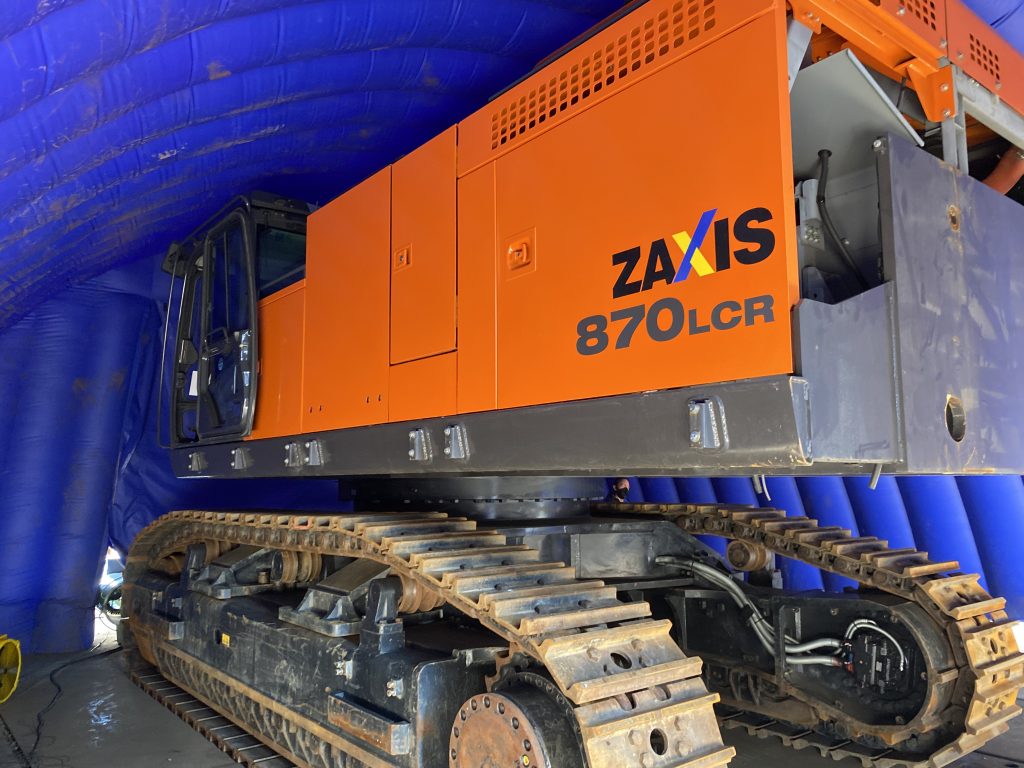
(103, 721)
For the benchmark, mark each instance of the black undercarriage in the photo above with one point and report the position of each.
(336, 641)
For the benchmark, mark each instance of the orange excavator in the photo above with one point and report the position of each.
(741, 238)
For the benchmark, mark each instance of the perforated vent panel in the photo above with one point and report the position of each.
(924, 10)
(652, 39)
(985, 57)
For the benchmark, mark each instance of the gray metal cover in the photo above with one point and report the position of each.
(837, 105)
(955, 249)
(847, 354)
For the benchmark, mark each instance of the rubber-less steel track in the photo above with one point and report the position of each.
(228, 737)
(978, 694)
(622, 671)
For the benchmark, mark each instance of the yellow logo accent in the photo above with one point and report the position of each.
(700, 265)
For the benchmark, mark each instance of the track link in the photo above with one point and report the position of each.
(625, 675)
(231, 739)
(979, 694)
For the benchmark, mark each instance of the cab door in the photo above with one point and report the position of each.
(215, 382)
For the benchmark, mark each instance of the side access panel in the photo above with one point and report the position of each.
(643, 241)
(423, 251)
(422, 389)
(477, 306)
(423, 279)
(346, 358)
(279, 405)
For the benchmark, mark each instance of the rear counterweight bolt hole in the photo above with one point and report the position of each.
(956, 418)
(658, 741)
(622, 662)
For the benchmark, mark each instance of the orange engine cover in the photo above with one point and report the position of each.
(620, 221)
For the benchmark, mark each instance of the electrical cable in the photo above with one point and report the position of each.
(41, 715)
(830, 227)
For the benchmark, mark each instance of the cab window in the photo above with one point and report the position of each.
(280, 259)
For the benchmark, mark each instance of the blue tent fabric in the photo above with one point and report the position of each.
(81, 464)
(880, 511)
(129, 123)
(133, 122)
(995, 508)
(1005, 16)
(935, 511)
(65, 373)
(782, 492)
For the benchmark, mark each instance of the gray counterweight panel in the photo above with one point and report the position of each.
(953, 247)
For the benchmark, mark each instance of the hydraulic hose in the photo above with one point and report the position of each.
(869, 625)
(830, 227)
(765, 632)
(811, 645)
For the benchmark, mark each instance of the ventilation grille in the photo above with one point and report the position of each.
(924, 10)
(985, 57)
(643, 45)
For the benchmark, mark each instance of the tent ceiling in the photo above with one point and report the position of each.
(125, 124)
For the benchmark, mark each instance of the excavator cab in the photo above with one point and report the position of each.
(251, 249)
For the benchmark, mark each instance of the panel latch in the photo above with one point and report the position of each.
(519, 254)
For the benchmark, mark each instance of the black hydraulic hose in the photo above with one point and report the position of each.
(830, 227)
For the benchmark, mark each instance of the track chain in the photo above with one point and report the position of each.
(638, 699)
(989, 670)
(243, 748)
